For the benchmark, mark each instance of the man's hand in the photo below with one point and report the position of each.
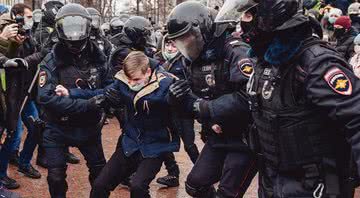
(16, 62)
(61, 91)
(9, 31)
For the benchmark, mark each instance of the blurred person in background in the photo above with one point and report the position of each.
(344, 34)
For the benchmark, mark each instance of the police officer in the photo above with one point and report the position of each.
(304, 100)
(46, 38)
(69, 75)
(95, 34)
(116, 26)
(219, 66)
(45, 34)
(136, 35)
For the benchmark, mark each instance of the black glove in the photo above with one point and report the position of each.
(201, 110)
(113, 97)
(178, 90)
(96, 102)
(16, 62)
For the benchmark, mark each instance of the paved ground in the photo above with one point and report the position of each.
(80, 188)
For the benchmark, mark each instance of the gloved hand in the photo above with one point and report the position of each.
(113, 96)
(96, 102)
(16, 62)
(44, 51)
(178, 90)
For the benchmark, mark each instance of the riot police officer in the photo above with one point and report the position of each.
(69, 76)
(45, 34)
(219, 66)
(304, 101)
(95, 34)
(116, 26)
(136, 35)
(46, 38)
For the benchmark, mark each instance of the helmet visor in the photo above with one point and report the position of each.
(73, 28)
(232, 10)
(190, 44)
(95, 21)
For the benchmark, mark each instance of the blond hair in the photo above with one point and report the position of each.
(135, 61)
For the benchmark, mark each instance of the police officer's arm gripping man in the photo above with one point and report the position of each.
(48, 98)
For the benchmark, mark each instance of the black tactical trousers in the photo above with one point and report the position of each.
(55, 144)
(295, 184)
(187, 134)
(234, 170)
(120, 167)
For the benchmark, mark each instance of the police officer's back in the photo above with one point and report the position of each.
(303, 98)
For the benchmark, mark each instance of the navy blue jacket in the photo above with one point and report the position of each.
(76, 111)
(149, 127)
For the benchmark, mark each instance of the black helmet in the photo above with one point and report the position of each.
(272, 15)
(188, 15)
(50, 9)
(139, 31)
(95, 16)
(280, 14)
(73, 26)
(190, 25)
(116, 26)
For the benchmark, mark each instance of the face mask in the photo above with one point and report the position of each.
(332, 20)
(338, 33)
(357, 49)
(354, 18)
(246, 27)
(169, 56)
(28, 23)
(137, 87)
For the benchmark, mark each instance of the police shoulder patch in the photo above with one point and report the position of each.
(246, 67)
(42, 78)
(338, 81)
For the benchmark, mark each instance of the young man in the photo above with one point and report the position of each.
(147, 132)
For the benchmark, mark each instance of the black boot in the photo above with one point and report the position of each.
(71, 158)
(8, 194)
(30, 172)
(169, 181)
(9, 183)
